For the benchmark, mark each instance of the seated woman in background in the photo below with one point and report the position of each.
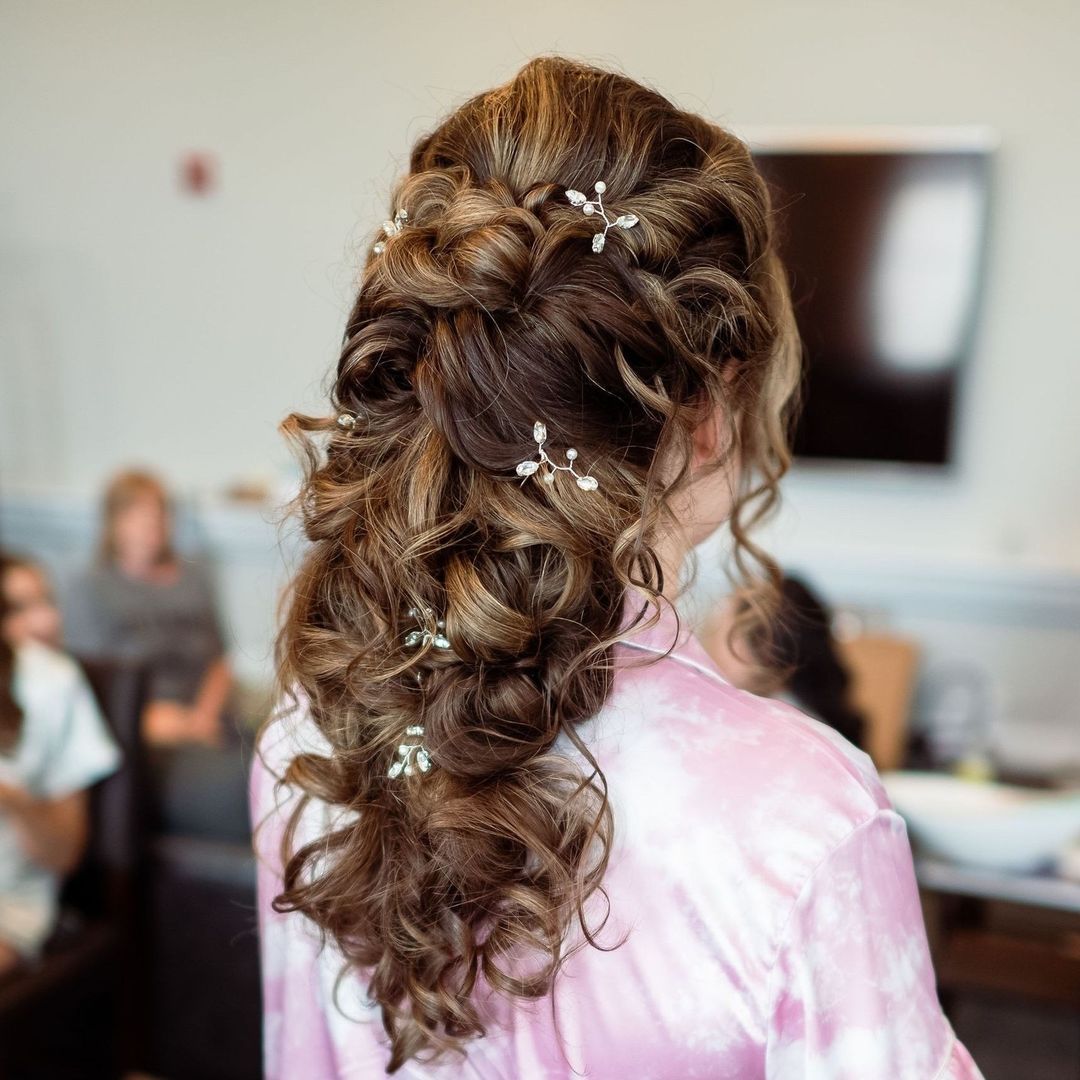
(29, 601)
(54, 745)
(142, 601)
(803, 650)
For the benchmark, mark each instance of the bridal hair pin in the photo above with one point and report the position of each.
(588, 207)
(415, 755)
(527, 468)
(410, 755)
(422, 637)
(392, 228)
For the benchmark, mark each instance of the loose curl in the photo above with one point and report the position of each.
(487, 311)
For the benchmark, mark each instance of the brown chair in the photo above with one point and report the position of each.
(71, 1015)
(883, 670)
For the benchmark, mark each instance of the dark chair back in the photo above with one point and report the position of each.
(102, 884)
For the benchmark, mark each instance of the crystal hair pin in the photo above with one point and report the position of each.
(410, 755)
(527, 468)
(413, 756)
(423, 636)
(392, 228)
(590, 207)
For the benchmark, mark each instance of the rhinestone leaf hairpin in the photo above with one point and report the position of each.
(589, 207)
(411, 755)
(422, 637)
(392, 228)
(528, 468)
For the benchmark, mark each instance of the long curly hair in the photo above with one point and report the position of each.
(487, 310)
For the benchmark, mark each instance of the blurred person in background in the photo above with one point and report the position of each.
(30, 604)
(54, 745)
(142, 601)
(802, 648)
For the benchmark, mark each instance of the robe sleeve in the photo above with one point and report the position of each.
(852, 992)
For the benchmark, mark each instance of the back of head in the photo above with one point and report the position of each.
(489, 309)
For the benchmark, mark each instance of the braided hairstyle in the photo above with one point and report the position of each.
(486, 311)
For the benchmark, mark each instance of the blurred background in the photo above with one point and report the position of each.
(186, 193)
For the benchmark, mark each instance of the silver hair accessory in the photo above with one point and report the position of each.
(422, 637)
(346, 420)
(412, 756)
(589, 207)
(392, 228)
(527, 468)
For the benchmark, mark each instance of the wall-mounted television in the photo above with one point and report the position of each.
(883, 233)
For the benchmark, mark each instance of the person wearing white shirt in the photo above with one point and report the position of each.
(54, 745)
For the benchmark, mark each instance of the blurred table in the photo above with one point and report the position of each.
(1047, 890)
(1015, 934)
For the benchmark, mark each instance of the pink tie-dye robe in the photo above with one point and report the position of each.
(764, 879)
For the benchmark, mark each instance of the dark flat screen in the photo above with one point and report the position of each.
(884, 251)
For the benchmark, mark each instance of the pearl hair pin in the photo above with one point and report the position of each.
(410, 753)
(413, 756)
(589, 207)
(392, 228)
(422, 637)
(528, 468)
(543, 464)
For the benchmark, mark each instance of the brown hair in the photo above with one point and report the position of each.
(11, 713)
(487, 311)
(124, 489)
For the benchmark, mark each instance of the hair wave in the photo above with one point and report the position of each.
(487, 311)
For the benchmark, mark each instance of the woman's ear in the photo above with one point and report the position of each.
(710, 436)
